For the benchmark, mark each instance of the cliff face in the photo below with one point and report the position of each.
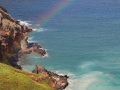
(13, 44)
(13, 38)
(11, 34)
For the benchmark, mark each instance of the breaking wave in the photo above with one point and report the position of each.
(27, 23)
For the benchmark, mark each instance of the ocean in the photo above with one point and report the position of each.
(81, 37)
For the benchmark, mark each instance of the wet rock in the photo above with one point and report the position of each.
(35, 47)
(17, 22)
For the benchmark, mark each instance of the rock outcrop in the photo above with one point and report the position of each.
(59, 81)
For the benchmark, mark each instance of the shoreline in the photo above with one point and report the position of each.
(14, 42)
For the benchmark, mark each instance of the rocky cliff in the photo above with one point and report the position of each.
(13, 44)
(11, 34)
(13, 39)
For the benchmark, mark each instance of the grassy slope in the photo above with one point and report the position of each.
(14, 79)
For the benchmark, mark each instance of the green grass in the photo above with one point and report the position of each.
(14, 79)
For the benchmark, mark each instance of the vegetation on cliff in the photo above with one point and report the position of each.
(15, 79)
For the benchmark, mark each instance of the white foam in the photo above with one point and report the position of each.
(83, 82)
(46, 55)
(39, 30)
(60, 72)
(27, 23)
(30, 39)
(86, 65)
(37, 57)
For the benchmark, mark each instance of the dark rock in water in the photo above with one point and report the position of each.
(29, 45)
(39, 51)
(32, 47)
(60, 81)
(17, 22)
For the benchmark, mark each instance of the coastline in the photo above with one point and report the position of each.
(14, 44)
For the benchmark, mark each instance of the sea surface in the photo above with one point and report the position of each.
(81, 37)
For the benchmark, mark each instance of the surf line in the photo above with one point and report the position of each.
(54, 10)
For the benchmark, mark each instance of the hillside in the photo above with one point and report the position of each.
(15, 79)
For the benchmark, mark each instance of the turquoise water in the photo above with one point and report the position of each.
(82, 40)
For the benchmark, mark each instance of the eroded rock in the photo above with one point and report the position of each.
(60, 82)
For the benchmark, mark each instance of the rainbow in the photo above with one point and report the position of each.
(55, 10)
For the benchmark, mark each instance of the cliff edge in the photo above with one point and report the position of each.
(14, 44)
